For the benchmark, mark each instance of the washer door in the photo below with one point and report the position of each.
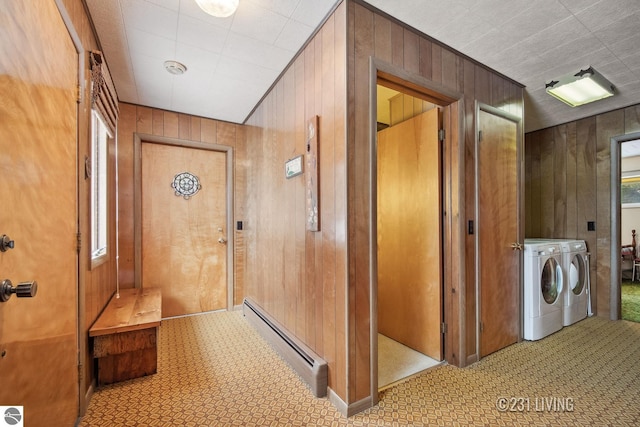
(577, 274)
(551, 281)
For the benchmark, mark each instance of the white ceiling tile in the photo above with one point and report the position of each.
(270, 27)
(190, 8)
(462, 29)
(626, 47)
(150, 18)
(618, 30)
(579, 48)
(493, 12)
(312, 12)
(197, 59)
(576, 6)
(149, 44)
(256, 52)
(607, 12)
(250, 73)
(541, 15)
(201, 34)
(167, 4)
(528, 41)
(282, 7)
(291, 35)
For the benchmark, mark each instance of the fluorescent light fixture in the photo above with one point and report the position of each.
(585, 86)
(218, 8)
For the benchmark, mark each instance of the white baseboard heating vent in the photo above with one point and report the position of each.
(302, 359)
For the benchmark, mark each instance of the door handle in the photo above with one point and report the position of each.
(516, 246)
(23, 290)
(222, 240)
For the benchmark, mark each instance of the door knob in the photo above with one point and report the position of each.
(23, 290)
(222, 240)
(6, 243)
(516, 246)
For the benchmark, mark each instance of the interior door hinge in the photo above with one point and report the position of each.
(78, 241)
(443, 328)
(481, 326)
(479, 135)
(441, 135)
(78, 93)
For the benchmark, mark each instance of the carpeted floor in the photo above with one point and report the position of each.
(630, 301)
(397, 361)
(215, 370)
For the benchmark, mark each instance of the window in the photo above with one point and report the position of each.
(99, 137)
(630, 189)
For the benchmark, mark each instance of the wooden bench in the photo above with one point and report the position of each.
(125, 335)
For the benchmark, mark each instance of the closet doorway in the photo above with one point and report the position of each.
(409, 235)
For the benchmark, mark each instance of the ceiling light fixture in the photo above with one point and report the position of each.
(175, 67)
(585, 86)
(219, 8)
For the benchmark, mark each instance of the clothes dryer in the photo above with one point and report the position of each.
(543, 287)
(575, 267)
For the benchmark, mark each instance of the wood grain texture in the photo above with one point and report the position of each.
(497, 230)
(131, 310)
(180, 249)
(409, 234)
(359, 33)
(588, 191)
(38, 146)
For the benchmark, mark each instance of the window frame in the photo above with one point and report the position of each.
(99, 177)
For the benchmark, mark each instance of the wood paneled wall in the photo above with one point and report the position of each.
(372, 34)
(568, 183)
(152, 121)
(97, 284)
(300, 276)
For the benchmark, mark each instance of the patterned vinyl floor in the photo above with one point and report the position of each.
(215, 370)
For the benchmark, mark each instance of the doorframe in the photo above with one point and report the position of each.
(480, 106)
(616, 238)
(452, 203)
(138, 139)
(81, 262)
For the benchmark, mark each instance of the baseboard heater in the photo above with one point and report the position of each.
(309, 366)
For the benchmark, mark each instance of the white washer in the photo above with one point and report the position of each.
(575, 269)
(575, 265)
(543, 286)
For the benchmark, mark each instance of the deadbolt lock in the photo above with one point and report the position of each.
(6, 243)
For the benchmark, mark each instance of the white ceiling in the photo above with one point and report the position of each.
(232, 62)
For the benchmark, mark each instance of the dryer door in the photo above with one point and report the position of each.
(577, 274)
(551, 281)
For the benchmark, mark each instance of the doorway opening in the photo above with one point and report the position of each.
(183, 230)
(409, 229)
(626, 153)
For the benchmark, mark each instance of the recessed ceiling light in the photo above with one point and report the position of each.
(580, 88)
(175, 67)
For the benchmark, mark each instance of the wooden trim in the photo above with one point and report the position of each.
(386, 74)
(480, 106)
(138, 139)
(83, 398)
(436, 43)
(616, 239)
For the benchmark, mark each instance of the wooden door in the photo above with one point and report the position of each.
(184, 249)
(410, 234)
(498, 228)
(38, 110)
